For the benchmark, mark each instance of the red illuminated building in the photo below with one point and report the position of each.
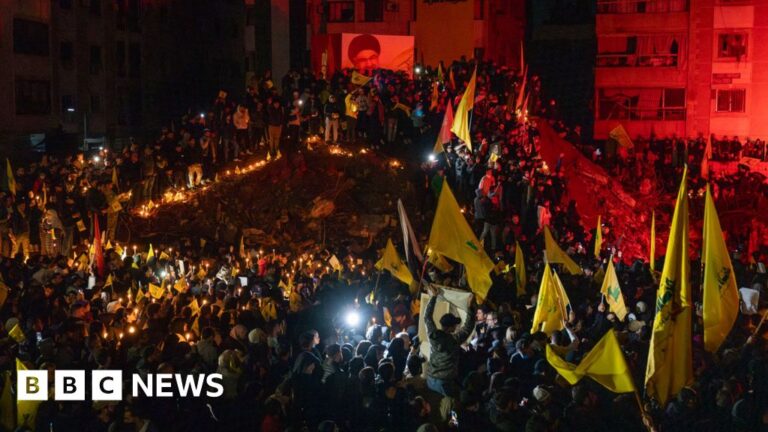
(682, 67)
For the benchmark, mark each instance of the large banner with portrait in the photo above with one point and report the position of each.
(366, 52)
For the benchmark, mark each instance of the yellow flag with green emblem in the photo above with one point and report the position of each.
(452, 237)
(520, 276)
(604, 363)
(669, 367)
(391, 262)
(721, 295)
(549, 314)
(461, 124)
(611, 290)
(555, 255)
(156, 291)
(151, 253)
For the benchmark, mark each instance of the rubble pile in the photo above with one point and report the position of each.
(314, 197)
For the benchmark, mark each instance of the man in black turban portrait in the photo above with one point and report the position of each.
(364, 51)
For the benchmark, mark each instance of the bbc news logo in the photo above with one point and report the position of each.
(107, 385)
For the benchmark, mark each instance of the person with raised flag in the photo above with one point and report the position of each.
(461, 122)
(611, 291)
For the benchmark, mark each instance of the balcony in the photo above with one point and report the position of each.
(635, 60)
(640, 6)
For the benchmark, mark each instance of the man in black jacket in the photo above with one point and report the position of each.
(445, 345)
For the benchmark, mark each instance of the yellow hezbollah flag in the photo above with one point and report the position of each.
(652, 258)
(669, 366)
(151, 253)
(139, 295)
(359, 79)
(391, 262)
(721, 295)
(7, 419)
(549, 315)
(461, 125)
(156, 291)
(452, 237)
(26, 409)
(612, 292)
(598, 238)
(444, 136)
(620, 135)
(520, 276)
(605, 363)
(555, 255)
(562, 296)
(108, 282)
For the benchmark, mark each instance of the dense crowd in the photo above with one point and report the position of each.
(317, 339)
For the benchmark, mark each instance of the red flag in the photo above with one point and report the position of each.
(98, 253)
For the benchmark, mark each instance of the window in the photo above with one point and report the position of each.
(374, 10)
(479, 9)
(30, 37)
(120, 58)
(657, 50)
(95, 103)
(95, 59)
(66, 52)
(641, 104)
(731, 100)
(33, 97)
(732, 45)
(640, 6)
(134, 60)
(341, 11)
(67, 103)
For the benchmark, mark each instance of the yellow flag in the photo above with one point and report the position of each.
(620, 135)
(10, 180)
(520, 276)
(391, 262)
(17, 334)
(652, 258)
(109, 281)
(562, 296)
(7, 419)
(612, 292)
(461, 125)
(118, 249)
(452, 237)
(26, 410)
(180, 285)
(359, 79)
(440, 73)
(435, 97)
(444, 135)
(151, 253)
(387, 317)
(156, 291)
(164, 256)
(3, 292)
(139, 295)
(108, 246)
(555, 255)
(195, 306)
(598, 238)
(241, 250)
(721, 295)
(669, 366)
(605, 363)
(549, 315)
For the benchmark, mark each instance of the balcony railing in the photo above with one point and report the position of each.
(635, 60)
(641, 6)
(618, 112)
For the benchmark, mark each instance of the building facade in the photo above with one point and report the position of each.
(443, 30)
(682, 67)
(108, 70)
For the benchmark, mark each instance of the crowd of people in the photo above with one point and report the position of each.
(318, 339)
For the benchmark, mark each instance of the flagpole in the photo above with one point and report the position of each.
(423, 268)
(760, 324)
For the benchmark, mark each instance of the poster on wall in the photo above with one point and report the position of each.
(366, 52)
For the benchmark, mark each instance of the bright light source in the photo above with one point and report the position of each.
(202, 115)
(301, 102)
(418, 69)
(352, 318)
(97, 159)
(70, 110)
(431, 157)
(163, 274)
